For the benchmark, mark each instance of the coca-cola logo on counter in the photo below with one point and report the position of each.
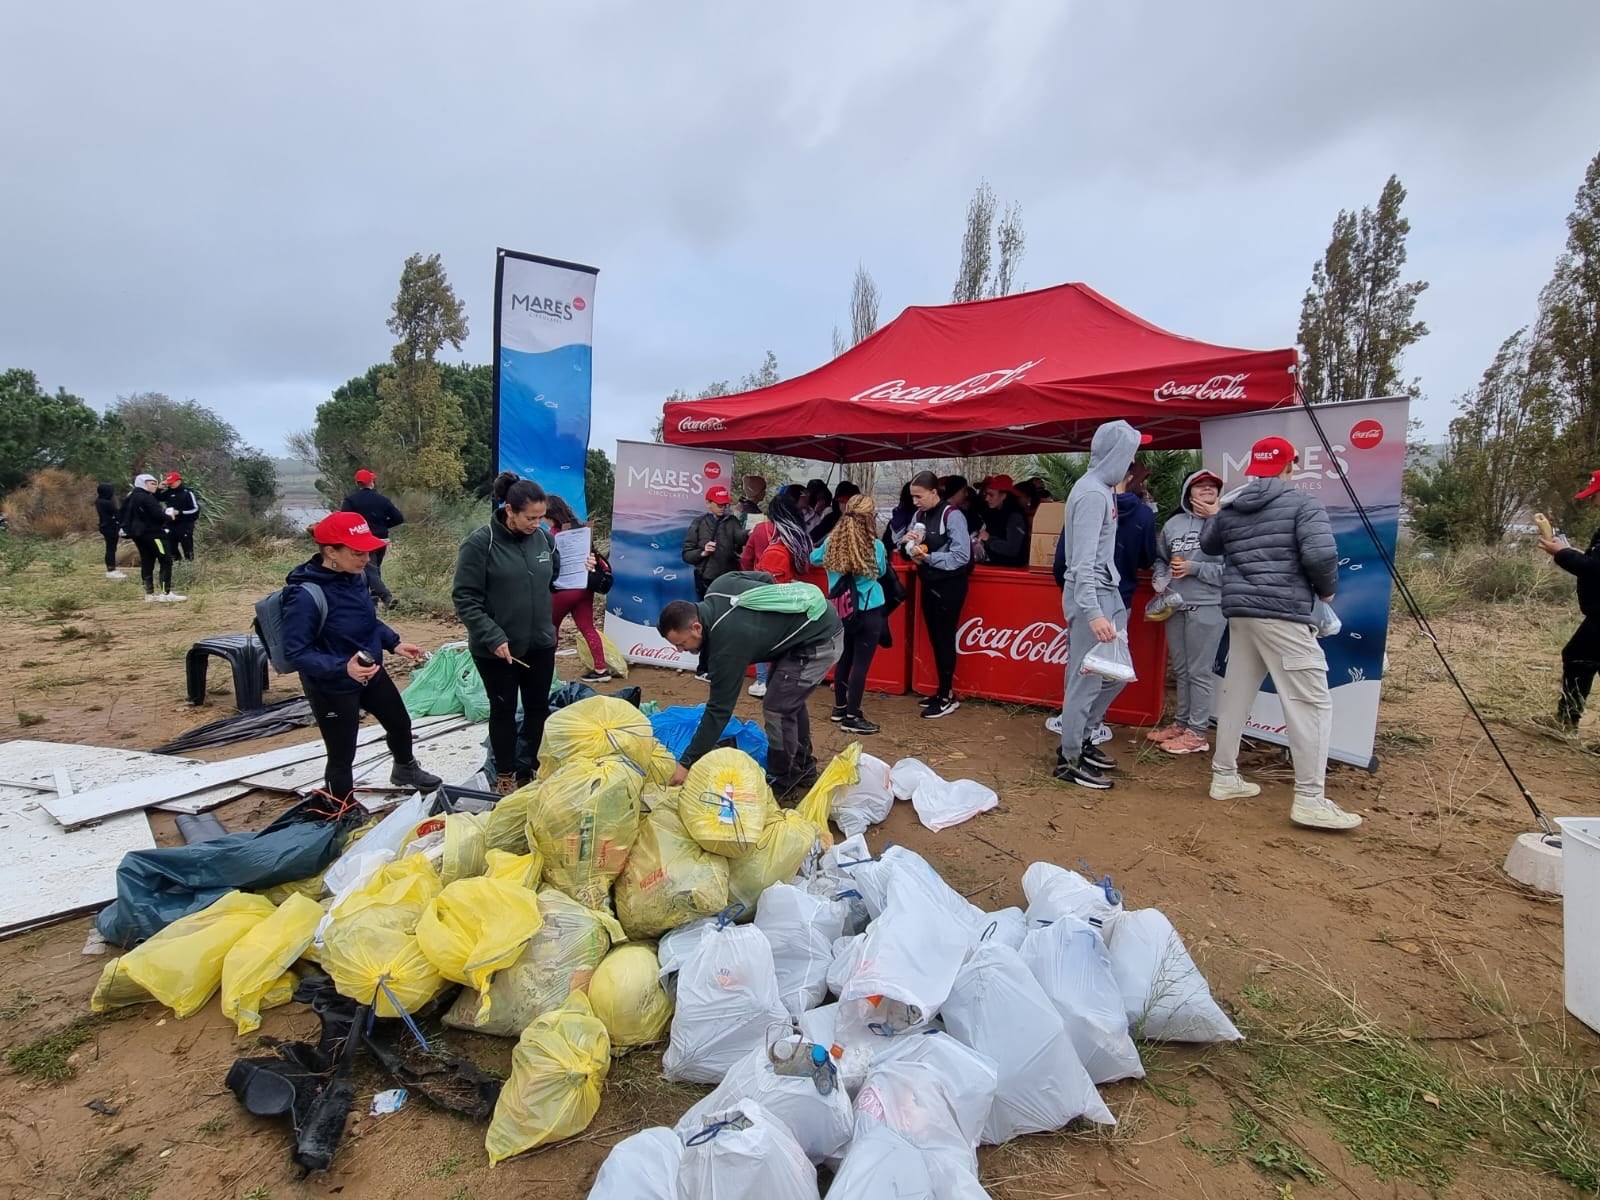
(897, 391)
(1038, 642)
(700, 425)
(1218, 387)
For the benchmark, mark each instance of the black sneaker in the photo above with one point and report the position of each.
(703, 676)
(411, 775)
(1097, 758)
(1084, 775)
(595, 677)
(940, 708)
(924, 701)
(857, 724)
(839, 713)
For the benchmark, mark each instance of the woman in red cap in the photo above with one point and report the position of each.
(332, 635)
(1580, 657)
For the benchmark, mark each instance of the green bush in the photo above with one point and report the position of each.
(421, 563)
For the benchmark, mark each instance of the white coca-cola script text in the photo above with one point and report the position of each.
(1218, 387)
(1038, 642)
(897, 391)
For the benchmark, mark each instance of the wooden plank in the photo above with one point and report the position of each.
(302, 776)
(52, 873)
(63, 782)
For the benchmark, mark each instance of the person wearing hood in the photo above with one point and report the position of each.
(1279, 558)
(1136, 532)
(505, 574)
(1580, 657)
(1004, 536)
(382, 516)
(147, 523)
(938, 543)
(105, 511)
(1091, 602)
(1194, 630)
(338, 647)
(185, 508)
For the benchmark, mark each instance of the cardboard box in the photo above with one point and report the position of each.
(1047, 522)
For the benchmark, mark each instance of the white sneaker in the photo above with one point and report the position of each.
(1053, 724)
(115, 575)
(1231, 787)
(758, 689)
(1323, 814)
(151, 597)
(174, 597)
(1100, 736)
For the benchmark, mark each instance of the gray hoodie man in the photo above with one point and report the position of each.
(1195, 629)
(1090, 601)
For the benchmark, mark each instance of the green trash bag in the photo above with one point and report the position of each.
(447, 683)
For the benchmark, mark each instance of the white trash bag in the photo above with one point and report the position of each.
(936, 1094)
(865, 802)
(1073, 967)
(1325, 619)
(727, 997)
(822, 1124)
(675, 947)
(846, 958)
(940, 803)
(1005, 927)
(882, 1165)
(744, 1153)
(641, 1167)
(998, 1008)
(830, 886)
(1054, 892)
(801, 929)
(1164, 994)
(821, 1025)
(1111, 659)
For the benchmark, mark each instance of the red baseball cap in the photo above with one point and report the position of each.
(718, 495)
(173, 477)
(365, 476)
(1592, 490)
(346, 529)
(1270, 456)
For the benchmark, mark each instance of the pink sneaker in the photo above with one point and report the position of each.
(1187, 742)
(1165, 734)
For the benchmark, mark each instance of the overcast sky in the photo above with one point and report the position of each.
(214, 200)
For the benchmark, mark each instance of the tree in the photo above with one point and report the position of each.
(600, 486)
(473, 386)
(863, 324)
(1060, 471)
(1439, 503)
(1567, 346)
(234, 481)
(38, 430)
(421, 424)
(1356, 319)
(988, 271)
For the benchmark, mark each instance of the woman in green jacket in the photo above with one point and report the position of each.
(504, 575)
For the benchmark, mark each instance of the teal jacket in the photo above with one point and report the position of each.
(869, 592)
(502, 589)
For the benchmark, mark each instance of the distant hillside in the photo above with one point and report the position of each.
(297, 484)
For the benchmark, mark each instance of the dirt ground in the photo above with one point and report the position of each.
(1406, 927)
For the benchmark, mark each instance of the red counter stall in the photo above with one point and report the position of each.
(891, 665)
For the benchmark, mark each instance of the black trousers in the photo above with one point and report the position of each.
(338, 717)
(506, 683)
(1580, 662)
(861, 634)
(941, 600)
(183, 542)
(111, 550)
(155, 549)
(374, 573)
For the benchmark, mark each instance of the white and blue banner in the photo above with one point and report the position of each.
(543, 371)
(1369, 449)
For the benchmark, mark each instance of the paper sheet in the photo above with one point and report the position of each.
(573, 546)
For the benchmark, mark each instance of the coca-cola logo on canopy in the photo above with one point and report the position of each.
(1218, 387)
(897, 391)
(1037, 642)
(700, 425)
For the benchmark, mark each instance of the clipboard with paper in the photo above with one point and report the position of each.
(574, 546)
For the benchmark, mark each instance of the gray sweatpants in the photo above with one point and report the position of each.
(791, 679)
(1291, 654)
(1087, 697)
(1193, 635)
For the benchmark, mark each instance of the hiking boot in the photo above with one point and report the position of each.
(940, 707)
(1082, 774)
(1165, 733)
(411, 775)
(758, 690)
(1322, 814)
(1232, 787)
(1097, 758)
(599, 676)
(839, 713)
(856, 723)
(1187, 742)
(504, 785)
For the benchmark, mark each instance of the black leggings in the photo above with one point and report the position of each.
(154, 549)
(941, 600)
(505, 682)
(183, 542)
(111, 550)
(338, 716)
(1580, 662)
(861, 636)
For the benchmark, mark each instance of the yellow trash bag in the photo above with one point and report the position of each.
(476, 927)
(370, 947)
(508, 821)
(557, 1070)
(725, 803)
(559, 960)
(281, 991)
(616, 663)
(524, 870)
(842, 773)
(408, 883)
(115, 990)
(668, 879)
(785, 842)
(258, 960)
(658, 774)
(466, 839)
(627, 995)
(182, 965)
(584, 819)
(310, 887)
(595, 728)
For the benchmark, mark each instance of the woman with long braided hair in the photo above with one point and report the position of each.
(853, 552)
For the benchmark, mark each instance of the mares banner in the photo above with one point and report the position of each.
(1369, 448)
(543, 371)
(660, 491)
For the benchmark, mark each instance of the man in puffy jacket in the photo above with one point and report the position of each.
(714, 541)
(382, 516)
(1279, 557)
(1580, 657)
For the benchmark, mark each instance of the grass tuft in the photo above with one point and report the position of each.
(47, 1059)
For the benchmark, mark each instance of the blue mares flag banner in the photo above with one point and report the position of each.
(660, 491)
(543, 371)
(1369, 447)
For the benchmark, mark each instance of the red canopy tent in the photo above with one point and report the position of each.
(1020, 374)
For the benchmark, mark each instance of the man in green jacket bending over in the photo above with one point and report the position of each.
(801, 646)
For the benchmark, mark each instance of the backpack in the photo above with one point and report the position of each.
(842, 595)
(269, 624)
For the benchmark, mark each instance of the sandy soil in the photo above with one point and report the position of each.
(1410, 915)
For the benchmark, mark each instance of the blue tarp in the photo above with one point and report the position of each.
(674, 729)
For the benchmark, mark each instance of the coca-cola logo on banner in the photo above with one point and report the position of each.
(1365, 435)
(700, 425)
(712, 470)
(897, 391)
(1218, 387)
(659, 653)
(577, 303)
(1038, 642)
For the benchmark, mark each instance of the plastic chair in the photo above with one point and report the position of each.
(244, 653)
